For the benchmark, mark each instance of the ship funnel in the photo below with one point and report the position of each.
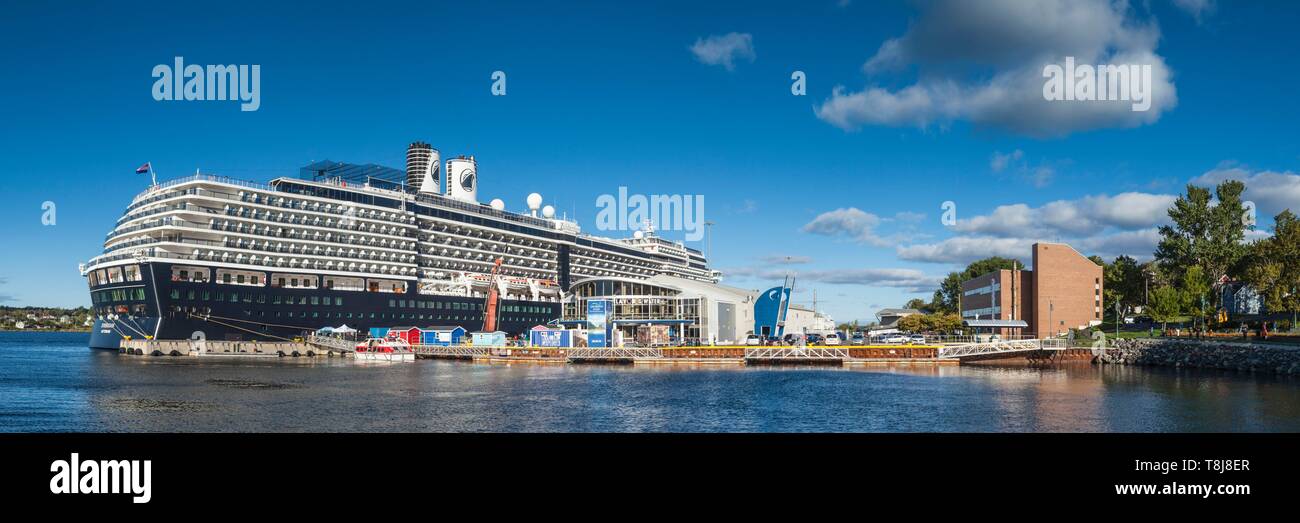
(462, 179)
(423, 164)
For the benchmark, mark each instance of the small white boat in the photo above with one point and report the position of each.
(375, 349)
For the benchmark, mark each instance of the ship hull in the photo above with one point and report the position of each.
(160, 308)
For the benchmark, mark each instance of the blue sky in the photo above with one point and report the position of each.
(848, 183)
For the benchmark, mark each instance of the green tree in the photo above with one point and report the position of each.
(1195, 292)
(918, 304)
(1205, 235)
(1164, 305)
(1272, 266)
(1125, 282)
(939, 322)
(944, 322)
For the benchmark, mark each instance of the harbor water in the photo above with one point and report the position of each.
(52, 382)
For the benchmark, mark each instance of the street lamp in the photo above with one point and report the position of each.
(708, 240)
(1051, 307)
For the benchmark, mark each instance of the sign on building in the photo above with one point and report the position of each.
(598, 323)
(551, 338)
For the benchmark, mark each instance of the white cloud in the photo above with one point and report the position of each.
(861, 226)
(1139, 244)
(902, 278)
(999, 161)
(965, 249)
(1271, 191)
(724, 50)
(1127, 211)
(777, 259)
(1000, 47)
(909, 216)
(1199, 9)
(1039, 176)
(1105, 225)
(911, 279)
(961, 250)
(854, 224)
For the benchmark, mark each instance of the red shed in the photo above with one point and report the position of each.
(410, 335)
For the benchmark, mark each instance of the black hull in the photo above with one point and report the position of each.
(173, 310)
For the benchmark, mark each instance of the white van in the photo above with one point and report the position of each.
(831, 339)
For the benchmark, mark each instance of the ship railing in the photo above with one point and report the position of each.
(184, 224)
(337, 211)
(442, 201)
(210, 178)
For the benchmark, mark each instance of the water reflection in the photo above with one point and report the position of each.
(55, 383)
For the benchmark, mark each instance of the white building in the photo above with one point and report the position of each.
(693, 311)
(803, 320)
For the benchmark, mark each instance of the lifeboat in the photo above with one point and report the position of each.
(376, 349)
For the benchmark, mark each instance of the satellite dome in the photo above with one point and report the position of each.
(638, 235)
(498, 204)
(548, 211)
(534, 201)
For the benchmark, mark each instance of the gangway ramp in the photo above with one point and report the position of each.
(1001, 349)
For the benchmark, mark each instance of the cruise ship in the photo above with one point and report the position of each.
(211, 257)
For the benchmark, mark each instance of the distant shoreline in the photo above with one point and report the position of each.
(87, 331)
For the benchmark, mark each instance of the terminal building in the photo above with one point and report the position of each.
(670, 310)
(1063, 291)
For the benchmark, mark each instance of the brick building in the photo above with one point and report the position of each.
(1062, 292)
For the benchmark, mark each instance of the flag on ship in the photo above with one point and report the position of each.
(143, 168)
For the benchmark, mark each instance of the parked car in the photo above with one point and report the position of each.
(857, 338)
(792, 339)
(916, 339)
(895, 338)
(831, 339)
(813, 339)
(753, 339)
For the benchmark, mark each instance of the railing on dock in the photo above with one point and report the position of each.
(331, 343)
(797, 353)
(451, 351)
(1002, 347)
(614, 353)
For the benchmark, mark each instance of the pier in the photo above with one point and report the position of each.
(847, 355)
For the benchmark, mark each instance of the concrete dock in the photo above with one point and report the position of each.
(724, 355)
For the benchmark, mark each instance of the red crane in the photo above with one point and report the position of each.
(490, 308)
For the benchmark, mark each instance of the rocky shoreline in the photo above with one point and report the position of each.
(1209, 354)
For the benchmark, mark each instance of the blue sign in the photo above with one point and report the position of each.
(769, 309)
(550, 338)
(598, 323)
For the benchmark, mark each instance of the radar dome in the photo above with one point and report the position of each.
(498, 204)
(548, 211)
(534, 201)
(638, 235)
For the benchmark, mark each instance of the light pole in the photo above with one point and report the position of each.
(1050, 308)
(708, 239)
(1118, 312)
